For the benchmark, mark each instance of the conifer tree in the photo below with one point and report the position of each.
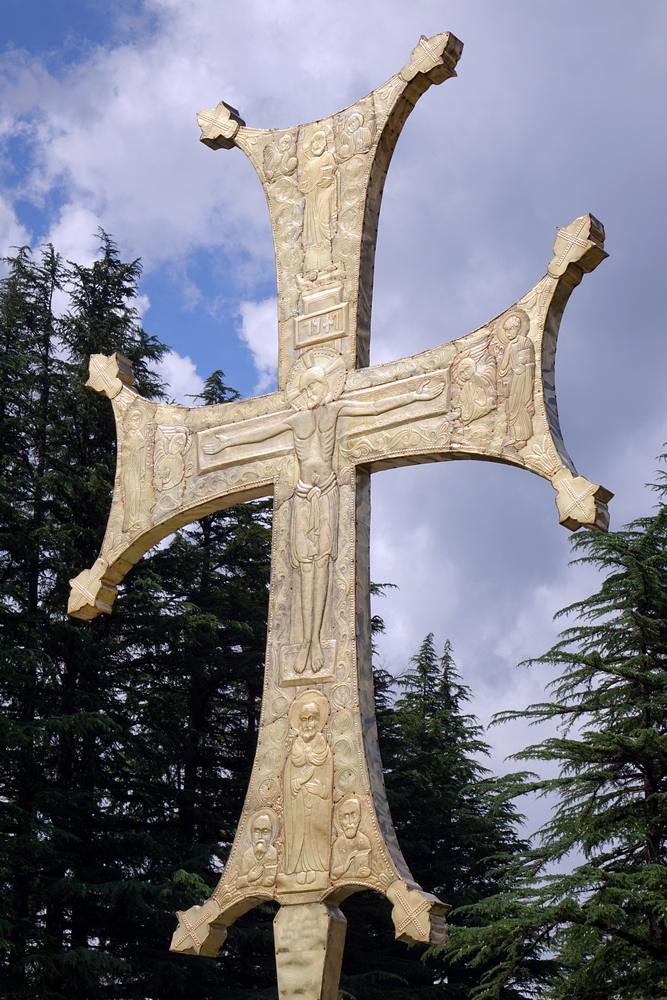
(126, 740)
(454, 823)
(593, 893)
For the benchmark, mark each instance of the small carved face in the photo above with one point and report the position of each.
(284, 142)
(313, 386)
(309, 721)
(354, 122)
(134, 420)
(349, 817)
(511, 327)
(315, 393)
(466, 369)
(177, 443)
(260, 834)
(318, 143)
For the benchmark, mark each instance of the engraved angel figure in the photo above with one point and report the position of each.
(357, 136)
(313, 542)
(280, 157)
(471, 392)
(171, 468)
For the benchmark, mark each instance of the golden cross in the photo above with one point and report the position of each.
(315, 825)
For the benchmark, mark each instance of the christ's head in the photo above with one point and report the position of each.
(313, 386)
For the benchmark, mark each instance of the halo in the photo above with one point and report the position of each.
(523, 329)
(332, 364)
(320, 700)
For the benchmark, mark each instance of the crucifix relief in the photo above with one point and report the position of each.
(315, 826)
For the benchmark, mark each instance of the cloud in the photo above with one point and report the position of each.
(12, 233)
(259, 331)
(180, 378)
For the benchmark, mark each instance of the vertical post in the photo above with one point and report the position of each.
(309, 940)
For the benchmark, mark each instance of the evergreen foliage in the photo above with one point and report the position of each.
(454, 822)
(60, 720)
(117, 791)
(593, 894)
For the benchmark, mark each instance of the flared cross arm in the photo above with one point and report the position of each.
(493, 398)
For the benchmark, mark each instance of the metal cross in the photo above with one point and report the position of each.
(315, 825)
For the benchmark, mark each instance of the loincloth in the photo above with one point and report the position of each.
(314, 525)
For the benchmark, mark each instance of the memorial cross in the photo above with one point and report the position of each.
(315, 826)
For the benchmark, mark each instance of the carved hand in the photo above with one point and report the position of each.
(315, 787)
(341, 870)
(213, 449)
(255, 873)
(429, 389)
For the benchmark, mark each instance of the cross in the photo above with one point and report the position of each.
(315, 825)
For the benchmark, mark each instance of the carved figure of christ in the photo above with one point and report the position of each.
(314, 521)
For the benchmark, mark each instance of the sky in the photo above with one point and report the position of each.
(557, 110)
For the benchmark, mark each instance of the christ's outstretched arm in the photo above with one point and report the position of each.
(267, 427)
(427, 390)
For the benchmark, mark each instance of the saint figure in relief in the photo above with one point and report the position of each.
(350, 857)
(259, 863)
(308, 792)
(133, 464)
(318, 183)
(517, 372)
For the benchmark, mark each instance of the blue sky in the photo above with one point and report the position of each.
(557, 110)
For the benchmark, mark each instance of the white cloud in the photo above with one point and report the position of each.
(142, 305)
(181, 378)
(259, 326)
(12, 233)
(74, 234)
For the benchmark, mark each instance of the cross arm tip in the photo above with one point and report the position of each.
(91, 593)
(418, 917)
(436, 57)
(107, 374)
(581, 243)
(580, 503)
(219, 126)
